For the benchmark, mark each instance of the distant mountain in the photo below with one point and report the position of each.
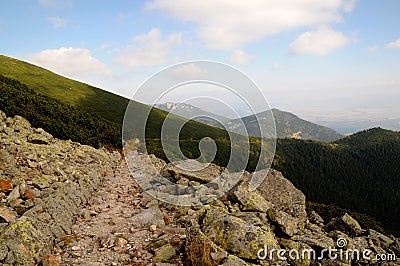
(372, 136)
(287, 125)
(351, 126)
(193, 112)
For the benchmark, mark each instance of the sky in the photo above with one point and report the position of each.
(331, 59)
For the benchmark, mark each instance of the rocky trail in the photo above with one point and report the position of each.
(63, 203)
(121, 225)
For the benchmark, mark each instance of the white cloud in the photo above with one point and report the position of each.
(149, 49)
(392, 45)
(190, 71)
(239, 57)
(55, 3)
(373, 48)
(349, 5)
(229, 24)
(70, 62)
(57, 22)
(321, 42)
(278, 66)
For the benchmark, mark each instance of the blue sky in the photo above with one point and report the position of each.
(330, 59)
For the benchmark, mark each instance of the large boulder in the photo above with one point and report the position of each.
(346, 224)
(250, 200)
(235, 235)
(193, 171)
(283, 194)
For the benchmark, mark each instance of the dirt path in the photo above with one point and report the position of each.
(123, 226)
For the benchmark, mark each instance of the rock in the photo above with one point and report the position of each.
(159, 242)
(380, 240)
(164, 254)
(235, 235)
(5, 185)
(153, 227)
(191, 212)
(234, 261)
(336, 235)
(29, 194)
(183, 181)
(290, 245)
(75, 248)
(250, 200)
(28, 239)
(287, 223)
(346, 224)
(106, 240)
(199, 247)
(42, 182)
(32, 164)
(315, 218)
(7, 214)
(25, 242)
(121, 242)
(14, 195)
(151, 216)
(283, 195)
(41, 137)
(187, 169)
(315, 240)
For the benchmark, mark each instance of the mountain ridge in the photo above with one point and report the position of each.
(288, 125)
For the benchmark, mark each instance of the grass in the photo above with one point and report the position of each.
(74, 93)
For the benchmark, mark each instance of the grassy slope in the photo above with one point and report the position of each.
(74, 93)
(94, 100)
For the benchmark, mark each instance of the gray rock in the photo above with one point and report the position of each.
(380, 240)
(14, 194)
(298, 260)
(287, 223)
(315, 240)
(234, 261)
(283, 195)
(315, 218)
(27, 239)
(235, 235)
(187, 169)
(40, 138)
(346, 224)
(8, 214)
(164, 254)
(250, 200)
(148, 217)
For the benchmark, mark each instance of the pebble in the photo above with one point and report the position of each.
(75, 248)
(153, 227)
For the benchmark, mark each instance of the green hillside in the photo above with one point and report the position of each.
(360, 172)
(92, 100)
(79, 95)
(373, 136)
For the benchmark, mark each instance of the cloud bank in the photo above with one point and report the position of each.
(70, 62)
